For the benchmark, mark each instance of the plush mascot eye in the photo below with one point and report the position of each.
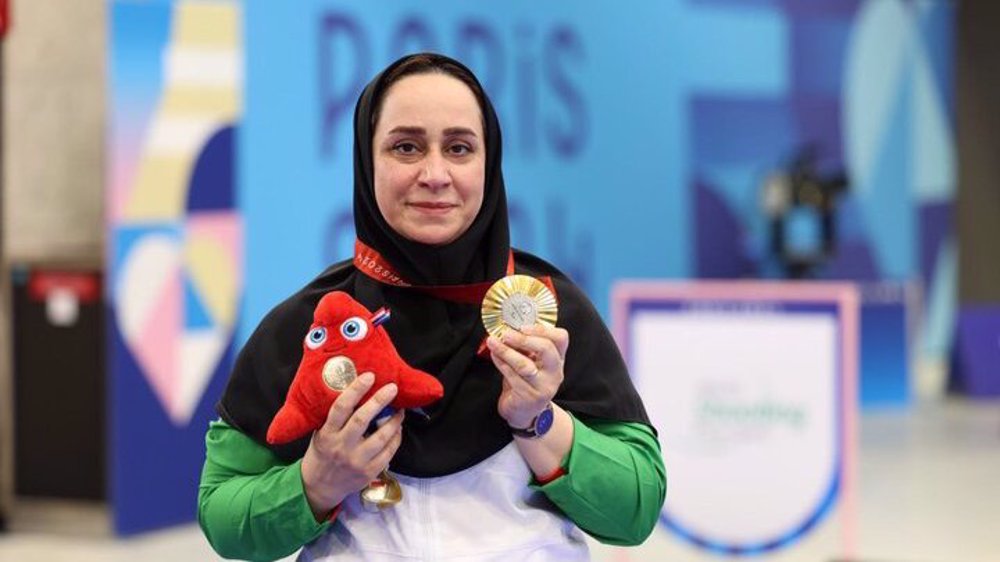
(354, 329)
(316, 337)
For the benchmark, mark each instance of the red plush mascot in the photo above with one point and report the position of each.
(344, 341)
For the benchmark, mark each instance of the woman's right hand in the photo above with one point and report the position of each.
(340, 459)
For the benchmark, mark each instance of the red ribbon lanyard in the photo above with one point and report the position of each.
(372, 264)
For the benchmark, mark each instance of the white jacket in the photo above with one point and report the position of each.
(486, 512)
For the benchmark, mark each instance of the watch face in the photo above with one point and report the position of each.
(544, 422)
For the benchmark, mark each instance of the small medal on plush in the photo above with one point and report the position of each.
(517, 301)
(344, 340)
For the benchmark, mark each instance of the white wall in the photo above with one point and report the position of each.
(53, 131)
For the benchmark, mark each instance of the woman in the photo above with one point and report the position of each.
(481, 478)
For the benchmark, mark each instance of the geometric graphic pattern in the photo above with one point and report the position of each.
(868, 84)
(177, 239)
(900, 150)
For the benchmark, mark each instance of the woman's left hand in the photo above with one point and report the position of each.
(531, 362)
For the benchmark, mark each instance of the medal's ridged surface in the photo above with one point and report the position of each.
(517, 301)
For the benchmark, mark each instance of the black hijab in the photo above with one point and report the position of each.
(435, 335)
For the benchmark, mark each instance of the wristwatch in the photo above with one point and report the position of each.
(539, 426)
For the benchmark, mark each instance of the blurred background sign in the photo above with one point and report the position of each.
(175, 246)
(753, 388)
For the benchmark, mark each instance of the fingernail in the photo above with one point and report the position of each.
(367, 378)
(492, 342)
(392, 387)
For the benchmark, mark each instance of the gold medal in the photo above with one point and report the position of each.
(517, 301)
(339, 372)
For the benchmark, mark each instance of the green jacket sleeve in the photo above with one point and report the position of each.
(251, 506)
(614, 482)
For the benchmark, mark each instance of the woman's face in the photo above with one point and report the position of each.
(429, 158)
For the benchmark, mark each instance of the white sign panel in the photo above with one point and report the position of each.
(751, 388)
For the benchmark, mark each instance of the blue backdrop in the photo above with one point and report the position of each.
(595, 142)
(636, 137)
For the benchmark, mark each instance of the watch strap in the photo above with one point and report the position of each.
(539, 426)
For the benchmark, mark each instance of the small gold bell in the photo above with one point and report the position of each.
(381, 493)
